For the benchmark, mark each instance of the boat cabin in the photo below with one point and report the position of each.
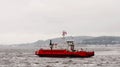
(71, 45)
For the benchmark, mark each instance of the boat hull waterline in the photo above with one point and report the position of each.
(63, 53)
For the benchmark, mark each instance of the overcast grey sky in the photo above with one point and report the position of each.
(30, 20)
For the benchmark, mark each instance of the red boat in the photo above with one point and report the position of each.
(63, 52)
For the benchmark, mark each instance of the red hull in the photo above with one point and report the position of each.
(63, 53)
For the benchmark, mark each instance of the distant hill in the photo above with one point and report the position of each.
(102, 40)
(79, 40)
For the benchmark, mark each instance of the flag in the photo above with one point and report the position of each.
(64, 33)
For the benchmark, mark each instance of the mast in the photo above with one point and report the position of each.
(63, 37)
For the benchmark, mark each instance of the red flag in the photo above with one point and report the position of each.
(64, 33)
